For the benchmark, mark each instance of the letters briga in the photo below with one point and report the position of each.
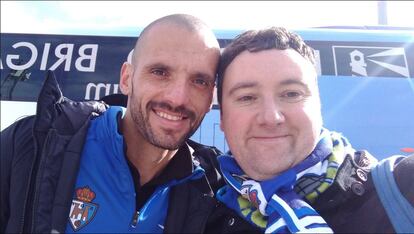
(84, 57)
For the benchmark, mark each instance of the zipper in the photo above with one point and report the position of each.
(30, 186)
(33, 184)
(134, 221)
(46, 145)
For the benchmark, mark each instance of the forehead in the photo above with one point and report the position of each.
(270, 66)
(176, 37)
(175, 45)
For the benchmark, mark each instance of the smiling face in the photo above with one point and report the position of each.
(170, 85)
(271, 113)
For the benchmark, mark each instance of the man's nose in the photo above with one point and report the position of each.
(270, 113)
(178, 93)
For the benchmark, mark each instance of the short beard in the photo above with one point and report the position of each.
(144, 127)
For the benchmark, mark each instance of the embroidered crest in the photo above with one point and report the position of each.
(82, 210)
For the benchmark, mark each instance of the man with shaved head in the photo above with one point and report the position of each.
(90, 167)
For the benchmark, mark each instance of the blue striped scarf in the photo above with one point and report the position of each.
(273, 205)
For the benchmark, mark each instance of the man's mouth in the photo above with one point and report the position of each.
(169, 116)
(167, 112)
(269, 138)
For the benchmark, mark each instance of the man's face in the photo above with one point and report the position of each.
(271, 113)
(170, 86)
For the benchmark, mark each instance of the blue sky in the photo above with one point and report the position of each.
(115, 17)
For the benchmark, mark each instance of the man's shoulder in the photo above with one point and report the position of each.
(23, 124)
(405, 165)
(404, 177)
(17, 136)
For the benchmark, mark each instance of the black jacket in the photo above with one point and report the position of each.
(39, 162)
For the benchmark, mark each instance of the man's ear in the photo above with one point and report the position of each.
(125, 80)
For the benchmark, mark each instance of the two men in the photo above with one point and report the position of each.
(285, 172)
(87, 167)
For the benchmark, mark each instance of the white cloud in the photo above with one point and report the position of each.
(89, 16)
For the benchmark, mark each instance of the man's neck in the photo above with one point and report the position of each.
(148, 159)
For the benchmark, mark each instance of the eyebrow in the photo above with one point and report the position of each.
(169, 68)
(205, 76)
(251, 84)
(294, 82)
(242, 85)
(157, 65)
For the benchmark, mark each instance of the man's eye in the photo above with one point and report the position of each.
(293, 96)
(159, 72)
(201, 82)
(246, 98)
